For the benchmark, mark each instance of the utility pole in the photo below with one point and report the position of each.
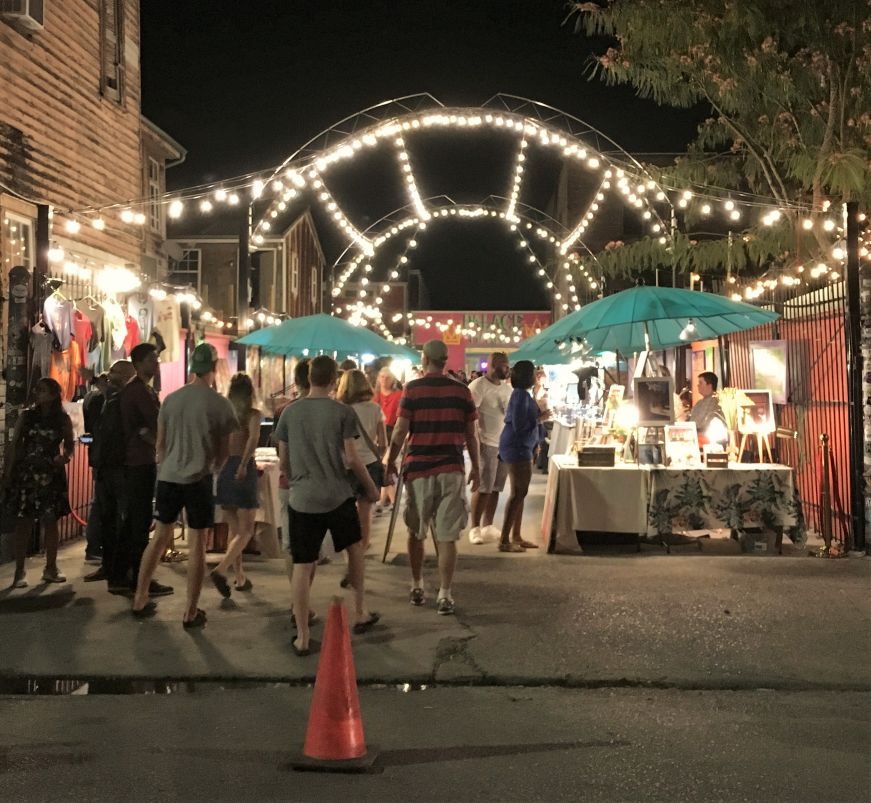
(243, 270)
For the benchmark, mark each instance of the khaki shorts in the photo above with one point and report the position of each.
(493, 470)
(438, 500)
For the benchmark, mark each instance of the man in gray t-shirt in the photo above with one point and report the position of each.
(316, 441)
(193, 431)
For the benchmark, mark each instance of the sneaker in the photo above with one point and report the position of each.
(19, 582)
(475, 536)
(120, 589)
(155, 589)
(94, 560)
(445, 607)
(491, 533)
(53, 576)
(93, 577)
(416, 597)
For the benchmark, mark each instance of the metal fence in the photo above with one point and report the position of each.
(812, 327)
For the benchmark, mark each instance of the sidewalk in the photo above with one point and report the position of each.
(681, 620)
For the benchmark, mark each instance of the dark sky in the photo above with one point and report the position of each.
(244, 84)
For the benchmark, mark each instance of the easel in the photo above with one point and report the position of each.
(761, 441)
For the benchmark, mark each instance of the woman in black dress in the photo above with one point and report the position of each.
(35, 480)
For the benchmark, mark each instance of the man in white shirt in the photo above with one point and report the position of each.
(491, 394)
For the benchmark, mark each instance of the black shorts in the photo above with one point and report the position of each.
(196, 498)
(307, 530)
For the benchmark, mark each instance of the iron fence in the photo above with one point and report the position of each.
(812, 328)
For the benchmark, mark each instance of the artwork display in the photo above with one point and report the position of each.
(768, 362)
(654, 398)
(758, 417)
(612, 402)
(682, 445)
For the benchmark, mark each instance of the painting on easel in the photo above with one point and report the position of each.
(757, 420)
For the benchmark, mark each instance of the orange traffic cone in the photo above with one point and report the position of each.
(334, 739)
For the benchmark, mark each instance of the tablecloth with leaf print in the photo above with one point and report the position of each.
(741, 497)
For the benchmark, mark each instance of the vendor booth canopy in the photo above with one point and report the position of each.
(644, 318)
(324, 334)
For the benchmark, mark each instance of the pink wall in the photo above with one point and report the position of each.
(528, 322)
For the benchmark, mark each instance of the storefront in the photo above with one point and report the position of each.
(472, 335)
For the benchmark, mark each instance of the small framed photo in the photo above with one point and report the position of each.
(682, 444)
(654, 398)
(768, 362)
(758, 417)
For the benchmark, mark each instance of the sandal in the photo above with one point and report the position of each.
(345, 582)
(511, 547)
(301, 652)
(246, 586)
(367, 624)
(198, 621)
(526, 544)
(220, 582)
(149, 609)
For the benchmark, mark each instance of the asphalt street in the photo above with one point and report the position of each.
(636, 676)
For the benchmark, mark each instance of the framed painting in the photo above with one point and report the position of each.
(768, 364)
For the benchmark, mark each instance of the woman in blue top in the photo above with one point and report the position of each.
(520, 436)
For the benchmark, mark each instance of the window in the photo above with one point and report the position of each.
(18, 248)
(315, 289)
(155, 209)
(112, 49)
(187, 269)
(294, 274)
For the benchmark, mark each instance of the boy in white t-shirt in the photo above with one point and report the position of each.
(490, 394)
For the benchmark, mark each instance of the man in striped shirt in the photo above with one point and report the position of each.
(438, 416)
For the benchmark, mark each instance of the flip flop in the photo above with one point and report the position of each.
(526, 544)
(246, 586)
(512, 547)
(367, 624)
(302, 653)
(149, 609)
(220, 582)
(198, 621)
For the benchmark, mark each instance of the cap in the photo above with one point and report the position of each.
(203, 359)
(436, 350)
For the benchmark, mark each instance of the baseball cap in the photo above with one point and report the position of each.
(436, 350)
(203, 359)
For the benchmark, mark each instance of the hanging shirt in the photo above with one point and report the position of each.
(133, 335)
(58, 316)
(40, 342)
(114, 331)
(83, 330)
(64, 369)
(94, 313)
(141, 310)
(167, 322)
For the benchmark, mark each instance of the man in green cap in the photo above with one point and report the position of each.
(193, 430)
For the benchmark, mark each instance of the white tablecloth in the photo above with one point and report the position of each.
(593, 499)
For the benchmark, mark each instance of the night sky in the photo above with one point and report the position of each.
(242, 85)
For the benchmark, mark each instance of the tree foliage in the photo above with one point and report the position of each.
(788, 83)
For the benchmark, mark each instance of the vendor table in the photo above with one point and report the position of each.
(658, 501)
(268, 516)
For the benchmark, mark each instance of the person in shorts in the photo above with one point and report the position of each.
(193, 432)
(437, 415)
(490, 393)
(317, 438)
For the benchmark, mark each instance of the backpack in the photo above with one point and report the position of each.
(109, 449)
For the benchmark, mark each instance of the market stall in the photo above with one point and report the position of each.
(656, 503)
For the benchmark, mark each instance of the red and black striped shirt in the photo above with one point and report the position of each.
(438, 410)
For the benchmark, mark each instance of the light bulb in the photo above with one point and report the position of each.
(175, 209)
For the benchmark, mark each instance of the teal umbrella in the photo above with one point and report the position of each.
(324, 334)
(649, 317)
